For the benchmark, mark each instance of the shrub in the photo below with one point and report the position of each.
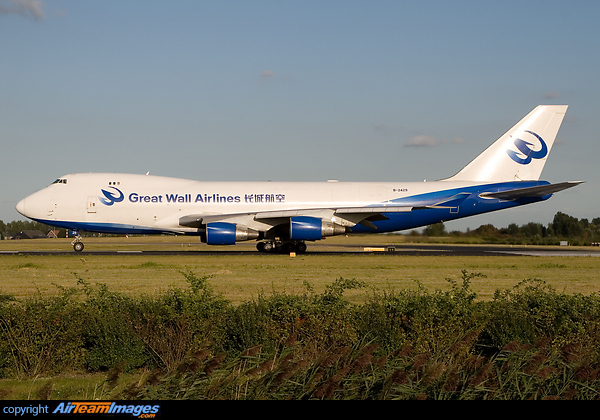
(109, 337)
(152, 331)
(529, 342)
(40, 335)
(532, 311)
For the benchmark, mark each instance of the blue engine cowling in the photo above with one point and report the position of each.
(223, 233)
(305, 228)
(220, 233)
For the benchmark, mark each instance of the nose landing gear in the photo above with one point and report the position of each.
(77, 244)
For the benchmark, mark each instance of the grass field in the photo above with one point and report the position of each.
(244, 276)
(241, 277)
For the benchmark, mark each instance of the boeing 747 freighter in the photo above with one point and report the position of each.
(285, 215)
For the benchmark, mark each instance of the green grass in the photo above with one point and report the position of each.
(240, 277)
(85, 386)
(243, 277)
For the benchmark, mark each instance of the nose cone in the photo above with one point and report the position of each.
(21, 207)
(36, 205)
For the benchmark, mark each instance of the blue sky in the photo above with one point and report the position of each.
(294, 91)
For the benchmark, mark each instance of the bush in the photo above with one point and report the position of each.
(109, 334)
(426, 320)
(323, 320)
(40, 335)
(533, 311)
(528, 342)
(152, 331)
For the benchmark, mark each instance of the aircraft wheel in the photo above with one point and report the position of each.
(288, 247)
(78, 246)
(267, 246)
(300, 247)
(260, 247)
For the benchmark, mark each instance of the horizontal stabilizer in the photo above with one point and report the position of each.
(531, 192)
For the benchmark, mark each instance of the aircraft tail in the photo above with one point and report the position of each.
(520, 154)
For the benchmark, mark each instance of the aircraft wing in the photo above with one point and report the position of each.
(345, 215)
(341, 210)
(531, 192)
(353, 214)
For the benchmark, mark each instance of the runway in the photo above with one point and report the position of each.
(318, 249)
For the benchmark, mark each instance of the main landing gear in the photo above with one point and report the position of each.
(299, 247)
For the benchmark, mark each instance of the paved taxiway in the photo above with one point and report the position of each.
(403, 249)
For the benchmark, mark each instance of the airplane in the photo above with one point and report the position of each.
(283, 216)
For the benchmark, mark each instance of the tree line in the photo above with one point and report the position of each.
(8, 230)
(563, 227)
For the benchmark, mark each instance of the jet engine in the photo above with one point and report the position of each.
(223, 233)
(306, 228)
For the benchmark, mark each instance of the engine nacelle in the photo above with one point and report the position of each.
(223, 233)
(306, 228)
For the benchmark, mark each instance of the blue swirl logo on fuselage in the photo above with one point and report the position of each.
(526, 152)
(110, 198)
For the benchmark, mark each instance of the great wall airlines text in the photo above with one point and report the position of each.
(206, 198)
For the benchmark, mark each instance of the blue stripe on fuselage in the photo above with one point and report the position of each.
(471, 206)
(111, 228)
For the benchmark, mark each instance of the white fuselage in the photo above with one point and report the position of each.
(157, 203)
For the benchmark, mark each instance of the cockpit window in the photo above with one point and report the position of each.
(60, 181)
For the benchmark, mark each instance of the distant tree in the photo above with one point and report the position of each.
(486, 230)
(437, 229)
(532, 230)
(512, 230)
(566, 226)
(14, 227)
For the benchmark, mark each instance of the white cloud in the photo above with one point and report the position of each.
(551, 95)
(28, 8)
(267, 75)
(421, 141)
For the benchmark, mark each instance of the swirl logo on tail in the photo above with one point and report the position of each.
(110, 198)
(526, 152)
